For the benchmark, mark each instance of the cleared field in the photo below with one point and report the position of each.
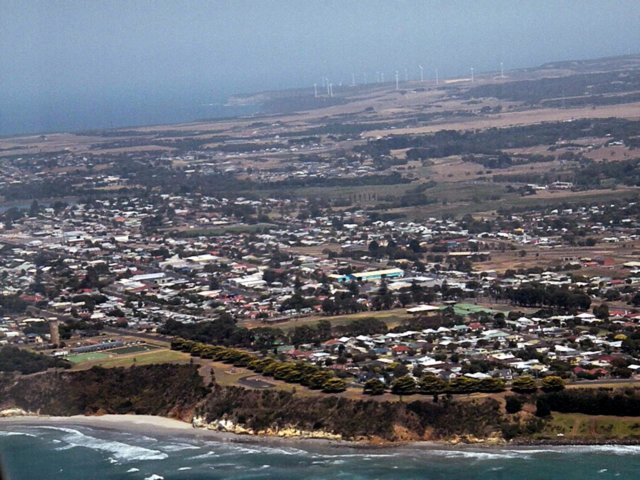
(524, 117)
(390, 317)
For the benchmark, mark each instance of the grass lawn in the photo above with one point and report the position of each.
(469, 308)
(591, 426)
(76, 358)
(157, 356)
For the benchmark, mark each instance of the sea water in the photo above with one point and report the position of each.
(81, 452)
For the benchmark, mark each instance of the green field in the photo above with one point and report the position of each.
(157, 356)
(87, 357)
(469, 308)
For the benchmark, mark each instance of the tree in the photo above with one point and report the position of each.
(34, 209)
(513, 405)
(464, 385)
(323, 329)
(524, 384)
(404, 385)
(542, 408)
(270, 276)
(612, 295)
(317, 380)
(431, 384)
(404, 298)
(601, 311)
(384, 298)
(400, 370)
(552, 383)
(373, 387)
(491, 385)
(334, 385)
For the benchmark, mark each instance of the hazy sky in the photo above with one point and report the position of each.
(70, 51)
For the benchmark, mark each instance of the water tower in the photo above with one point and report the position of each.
(54, 331)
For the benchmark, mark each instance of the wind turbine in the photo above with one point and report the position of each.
(472, 78)
(421, 73)
(437, 78)
(397, 78)
(501, 70)
(331, 89)
(315, 90)
(353, 79)
(381, 77)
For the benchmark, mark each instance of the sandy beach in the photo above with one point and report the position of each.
(162, 426)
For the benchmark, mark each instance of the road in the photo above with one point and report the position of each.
(136, 334)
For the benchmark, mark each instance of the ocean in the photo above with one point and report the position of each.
(82, 452)
(71, 114)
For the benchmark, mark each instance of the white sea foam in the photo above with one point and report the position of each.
(184, 468)
(120, 452)
(4, 433)
(154, 476)
(362, 455)
(133, 470)
(234, 449)
(477, 455)
(177, 447)
(611, 449)
(210, 454)
(529, 453)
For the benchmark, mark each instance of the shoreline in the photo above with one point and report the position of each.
(163, 426)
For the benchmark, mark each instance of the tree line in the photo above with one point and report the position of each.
(303, 373)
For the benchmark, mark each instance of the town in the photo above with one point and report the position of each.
(380, 244)
(366, 298)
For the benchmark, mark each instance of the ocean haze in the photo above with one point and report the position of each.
(72, 65)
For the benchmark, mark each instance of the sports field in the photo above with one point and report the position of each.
(114, 353)
(87, 357)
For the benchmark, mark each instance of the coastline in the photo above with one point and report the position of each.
(164, 426)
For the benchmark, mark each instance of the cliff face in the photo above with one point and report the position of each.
(165, 390)
(178, 391)
(391, 421)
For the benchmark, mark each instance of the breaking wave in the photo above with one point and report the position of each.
(120, 452)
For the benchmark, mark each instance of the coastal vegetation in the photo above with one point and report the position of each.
(179, 391)
(13, 359)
